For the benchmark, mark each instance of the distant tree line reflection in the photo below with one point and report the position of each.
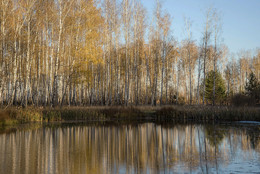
(129, 148)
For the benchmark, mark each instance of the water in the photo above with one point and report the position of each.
(130, 148)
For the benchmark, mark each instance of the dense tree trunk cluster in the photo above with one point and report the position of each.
(86, 52)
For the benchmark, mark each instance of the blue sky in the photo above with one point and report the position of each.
(240, 20)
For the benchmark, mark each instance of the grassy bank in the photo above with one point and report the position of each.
(19, 115)
(209, 113)
(12, 116)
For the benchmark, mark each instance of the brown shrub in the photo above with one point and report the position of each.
(3, 115)
(242, 100)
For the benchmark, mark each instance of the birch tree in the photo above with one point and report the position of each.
(63, 7)
(126, 17)
(165, 24)
(206, 41)
(189, 37)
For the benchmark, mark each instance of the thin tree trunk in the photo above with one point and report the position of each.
(190, 75)
(146, 81)
(178, 80)
(198, 85)
(166, 85)
(26, 84)
(162, 73)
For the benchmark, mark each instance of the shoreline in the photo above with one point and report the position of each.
(203, 114)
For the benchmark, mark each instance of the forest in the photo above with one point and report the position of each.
(110, 52)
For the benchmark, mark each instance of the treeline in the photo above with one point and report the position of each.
(86, 52)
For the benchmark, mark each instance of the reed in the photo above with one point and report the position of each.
(209, 113)
(166, 113)
(91, 113)
(19, 115)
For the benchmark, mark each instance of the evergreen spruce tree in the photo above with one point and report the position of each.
(253, 87)
(220, 89)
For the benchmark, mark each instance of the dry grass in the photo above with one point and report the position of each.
(120, 113)
(210, 113)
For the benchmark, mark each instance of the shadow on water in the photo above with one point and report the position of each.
(130, 147)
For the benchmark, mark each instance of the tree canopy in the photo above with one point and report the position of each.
(111, 52)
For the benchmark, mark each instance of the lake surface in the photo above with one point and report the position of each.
(130, 148)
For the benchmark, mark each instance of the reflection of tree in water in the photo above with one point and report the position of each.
(253, 133)
(132, 148)
(214, 134)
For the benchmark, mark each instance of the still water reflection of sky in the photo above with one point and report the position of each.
(131, 148)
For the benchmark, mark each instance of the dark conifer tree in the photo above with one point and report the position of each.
(220, 89)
